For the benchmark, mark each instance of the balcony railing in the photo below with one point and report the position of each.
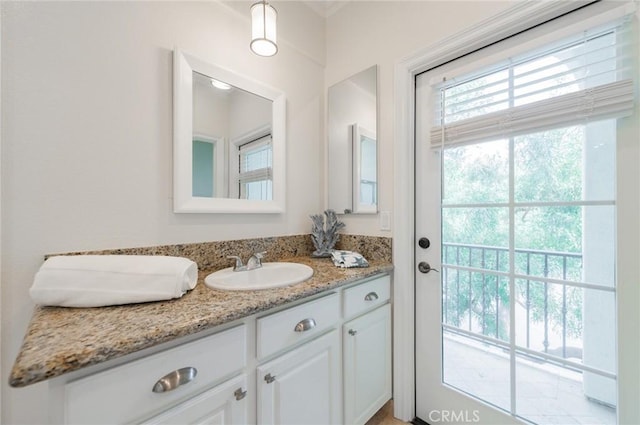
(476, 293)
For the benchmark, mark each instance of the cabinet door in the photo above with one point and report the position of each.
(221, 405)
(303, 385)
(367, 364)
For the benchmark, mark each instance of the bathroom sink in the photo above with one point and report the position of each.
(270, 275)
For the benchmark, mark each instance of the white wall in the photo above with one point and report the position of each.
(210, 111)
(364, 33)
(247, 113)
(87, 136)
(87, 124)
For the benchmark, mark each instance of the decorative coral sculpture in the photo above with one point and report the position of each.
(325, 234)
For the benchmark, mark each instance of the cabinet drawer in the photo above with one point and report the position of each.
(125, 393)
(225, 403)
(286, 328)
(365, 296)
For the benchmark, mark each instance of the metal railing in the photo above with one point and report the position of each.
(482, 271)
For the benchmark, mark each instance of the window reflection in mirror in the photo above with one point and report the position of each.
(365, 176)
(232, 149)
(352, 158)
(255, 179)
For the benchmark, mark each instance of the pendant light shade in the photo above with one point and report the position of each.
(263, 29)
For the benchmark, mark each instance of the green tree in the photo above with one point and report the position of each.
(548, 167)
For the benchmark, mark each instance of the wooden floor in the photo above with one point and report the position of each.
(384, 416)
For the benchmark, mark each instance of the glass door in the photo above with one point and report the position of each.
(517, 293)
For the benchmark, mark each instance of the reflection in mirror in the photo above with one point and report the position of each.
(209, 167)
(365, 189)
(242, 168)
(352, 124)
(228, 141)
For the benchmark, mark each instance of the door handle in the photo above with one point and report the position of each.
(425, 267)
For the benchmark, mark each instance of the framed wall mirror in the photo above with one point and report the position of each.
(228, 142)
(353, 148)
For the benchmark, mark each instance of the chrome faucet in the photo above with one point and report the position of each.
(239, 266)
(254, 262)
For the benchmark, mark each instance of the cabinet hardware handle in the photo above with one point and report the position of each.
(305, 325)
(173, 380)
(240, 394)
(352, 332)
(269, 378)
(371, 296)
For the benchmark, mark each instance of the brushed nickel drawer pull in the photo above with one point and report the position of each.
(305, 325)
(268, 378)
(371, 296)
(240, 393)
(173, 380)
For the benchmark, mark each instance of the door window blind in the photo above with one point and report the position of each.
(582, 78)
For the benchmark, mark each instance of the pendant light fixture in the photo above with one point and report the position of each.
(263, 29)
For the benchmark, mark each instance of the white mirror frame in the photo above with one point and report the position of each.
(183, 200)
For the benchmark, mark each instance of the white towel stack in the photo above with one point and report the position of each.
(101, 280)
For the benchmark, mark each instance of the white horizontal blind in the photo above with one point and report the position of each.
(583, 78)
(256, 160)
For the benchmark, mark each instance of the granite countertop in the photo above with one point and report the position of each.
(61, 340)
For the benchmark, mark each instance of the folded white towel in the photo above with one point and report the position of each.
(347, 259)
(100, 280)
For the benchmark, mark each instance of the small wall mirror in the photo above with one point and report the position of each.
(229, 141)
(353, 148)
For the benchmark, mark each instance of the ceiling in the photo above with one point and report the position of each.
(326, 8)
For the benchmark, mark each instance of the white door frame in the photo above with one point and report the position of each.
(515, 19)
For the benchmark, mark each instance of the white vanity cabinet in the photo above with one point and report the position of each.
(324, 360)
(366, 350)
